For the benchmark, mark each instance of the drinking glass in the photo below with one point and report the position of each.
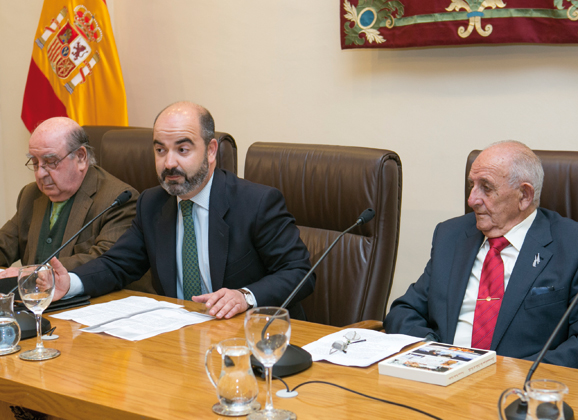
(268, 330)
(36, 287)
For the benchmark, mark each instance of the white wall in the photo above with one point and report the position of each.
(274, 71)
(18, 22)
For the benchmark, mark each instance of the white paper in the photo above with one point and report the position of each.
(133, 318)
(377, 346)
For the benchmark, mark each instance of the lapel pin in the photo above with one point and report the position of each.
(536, 260)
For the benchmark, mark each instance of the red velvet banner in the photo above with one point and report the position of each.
(419, 23)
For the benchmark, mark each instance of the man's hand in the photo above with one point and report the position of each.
(61, 279)
(9, 272)
(224, 303)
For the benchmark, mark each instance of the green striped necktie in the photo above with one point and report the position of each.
(190, 259)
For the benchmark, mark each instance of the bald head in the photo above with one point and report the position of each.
(61, 125)
(522, 163)
(185, 108)
(60, 153)
(67, 130)
(505, 180)
(185, 148)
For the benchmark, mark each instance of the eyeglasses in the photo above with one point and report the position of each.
(48, 166)
(350, 338)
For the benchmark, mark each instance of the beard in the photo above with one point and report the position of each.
(189, 184)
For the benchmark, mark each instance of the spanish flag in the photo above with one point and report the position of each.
(74, 71)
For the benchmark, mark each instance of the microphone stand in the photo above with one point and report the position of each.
(120, 200)
(295, 359)
(23, 317)
(518, 409)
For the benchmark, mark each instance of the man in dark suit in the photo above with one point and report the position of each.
(69, 191)
(538, 268)
(247, 246)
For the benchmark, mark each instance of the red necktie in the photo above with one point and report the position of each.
(490, 295)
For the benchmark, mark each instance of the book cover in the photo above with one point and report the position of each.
(436, 363)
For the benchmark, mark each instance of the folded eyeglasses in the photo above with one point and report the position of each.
(350, 338)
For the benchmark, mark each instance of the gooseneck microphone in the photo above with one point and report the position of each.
(295, 359)
(518, 409)
(365, 217)
(122, 198)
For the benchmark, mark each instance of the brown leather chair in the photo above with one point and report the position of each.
(326, 188)
(95, 134)
(129, 156)
(559, 192)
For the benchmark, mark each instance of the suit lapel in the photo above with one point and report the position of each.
(524, 274)
(218, 229)
(466, 249)
(166, 234)
(80, 207)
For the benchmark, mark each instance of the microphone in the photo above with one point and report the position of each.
(365, 217)
(122, 198)
(295, 359)
(518, 409)
(28, 328)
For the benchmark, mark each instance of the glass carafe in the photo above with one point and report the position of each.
(9, 328)
(236, 385)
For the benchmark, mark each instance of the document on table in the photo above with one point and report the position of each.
(377, 346)
(133, 318)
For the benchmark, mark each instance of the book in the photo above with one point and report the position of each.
(437, 363)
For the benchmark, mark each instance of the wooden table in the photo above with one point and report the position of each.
(102, 377)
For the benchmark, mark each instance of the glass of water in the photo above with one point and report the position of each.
(36, 287)
(268, 330)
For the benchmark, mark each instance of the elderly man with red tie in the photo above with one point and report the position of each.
(499, 278)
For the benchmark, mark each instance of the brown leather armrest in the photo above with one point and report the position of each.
(369, 324)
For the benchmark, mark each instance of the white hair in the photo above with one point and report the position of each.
(525, 167)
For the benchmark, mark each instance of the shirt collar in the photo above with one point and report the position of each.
(203, 197)
(517, 234)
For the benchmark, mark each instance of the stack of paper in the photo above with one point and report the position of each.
(377, 346)
(134, 318)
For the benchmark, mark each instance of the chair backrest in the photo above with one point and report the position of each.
(95, 134)
(560, 189)
(128, 155)
(326, 188)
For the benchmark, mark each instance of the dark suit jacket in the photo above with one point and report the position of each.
(253, 243)
(19, 236)
(534, 301)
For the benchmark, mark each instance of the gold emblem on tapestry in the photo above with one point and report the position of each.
(572, 11)
(475, 9)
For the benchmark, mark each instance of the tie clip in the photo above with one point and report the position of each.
(489, 298)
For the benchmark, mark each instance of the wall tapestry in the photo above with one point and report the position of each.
(419, 23)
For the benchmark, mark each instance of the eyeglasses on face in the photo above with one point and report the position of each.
(33, 165)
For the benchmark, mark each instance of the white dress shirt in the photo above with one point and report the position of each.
(509, 254)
